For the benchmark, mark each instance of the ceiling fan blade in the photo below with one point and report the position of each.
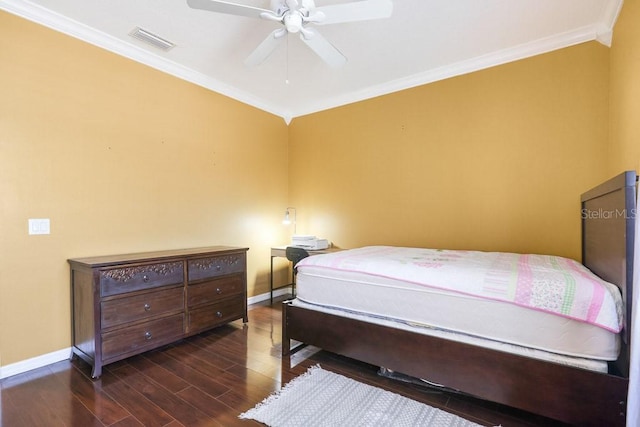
(323, 48)
(362, 10)
(228, 8)
(265, 48)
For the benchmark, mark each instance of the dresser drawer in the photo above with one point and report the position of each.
(214, 290)
(212, 315)
(127, 279)
(143, 306)
(142, 337)
(204, 268)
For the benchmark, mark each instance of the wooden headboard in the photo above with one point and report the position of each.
(608, 229)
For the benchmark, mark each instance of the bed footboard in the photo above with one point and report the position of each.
(571, 395)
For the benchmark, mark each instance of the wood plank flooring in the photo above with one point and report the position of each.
(206, 380)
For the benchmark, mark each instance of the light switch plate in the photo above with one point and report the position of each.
(39, 226)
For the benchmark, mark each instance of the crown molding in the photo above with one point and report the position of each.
(70, 27)
(602, 32)
(523, 51)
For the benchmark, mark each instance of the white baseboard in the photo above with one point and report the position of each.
(57, 356)
(265, 297)
(34, 363)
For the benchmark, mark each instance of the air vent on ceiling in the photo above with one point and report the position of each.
(151, 39)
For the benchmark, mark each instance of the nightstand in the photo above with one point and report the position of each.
(280, 252)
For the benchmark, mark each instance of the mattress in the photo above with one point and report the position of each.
(421, 306)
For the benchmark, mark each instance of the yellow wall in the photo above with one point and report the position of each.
(121, 158)
(624, 150)
(494, 160)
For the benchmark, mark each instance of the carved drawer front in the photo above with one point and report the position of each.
(142, 337)
(214, 290)
(204, 268)
(215, 314)
(126, 279)
(139, 307)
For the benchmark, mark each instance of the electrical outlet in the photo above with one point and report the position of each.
(39, 226)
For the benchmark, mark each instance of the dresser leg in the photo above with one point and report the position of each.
(97, 371)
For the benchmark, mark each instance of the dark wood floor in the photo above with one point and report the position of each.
(206, 380)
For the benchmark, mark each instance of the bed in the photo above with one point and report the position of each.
(466, 340)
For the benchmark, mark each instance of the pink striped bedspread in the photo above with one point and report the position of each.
(551, 284)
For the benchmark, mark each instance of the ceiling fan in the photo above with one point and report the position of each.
(295, 15)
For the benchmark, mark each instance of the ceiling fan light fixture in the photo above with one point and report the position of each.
(152, 39)
(293, 22)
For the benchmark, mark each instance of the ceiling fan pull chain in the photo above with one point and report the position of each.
(286, 78)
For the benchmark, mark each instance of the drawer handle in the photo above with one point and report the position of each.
(145, 278)
(218, 267)
(147, 335)
(219, 314)
(147, 307)
(218, 291)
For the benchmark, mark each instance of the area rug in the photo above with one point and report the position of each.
(323, 398)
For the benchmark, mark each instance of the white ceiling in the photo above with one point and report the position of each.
(422, 42)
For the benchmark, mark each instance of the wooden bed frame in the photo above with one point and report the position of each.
(572, 395)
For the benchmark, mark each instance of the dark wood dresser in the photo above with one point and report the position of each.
(127, 304)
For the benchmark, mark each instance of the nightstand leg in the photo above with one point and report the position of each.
(271, 281)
